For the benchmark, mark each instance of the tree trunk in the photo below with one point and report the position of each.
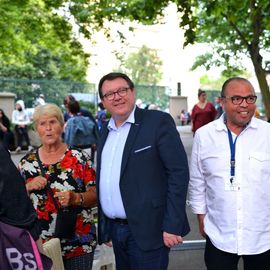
(256, 58)
(261, 77)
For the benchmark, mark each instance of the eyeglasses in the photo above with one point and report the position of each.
(120, 92)
(237, 100)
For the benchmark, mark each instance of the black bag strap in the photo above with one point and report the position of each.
(48, 186)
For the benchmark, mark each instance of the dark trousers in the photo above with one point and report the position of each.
(128, 255)
(216, 259)
(7, 139)
(83, 262)
(22, 134)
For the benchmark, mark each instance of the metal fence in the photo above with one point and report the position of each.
(55, 90)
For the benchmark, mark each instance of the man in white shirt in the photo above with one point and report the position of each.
(230, 182)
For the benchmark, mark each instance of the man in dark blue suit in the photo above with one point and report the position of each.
(142, 179)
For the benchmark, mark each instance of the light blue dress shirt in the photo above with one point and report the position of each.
(111, 160)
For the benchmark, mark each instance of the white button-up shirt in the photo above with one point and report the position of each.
(236, 221)
(111, 160)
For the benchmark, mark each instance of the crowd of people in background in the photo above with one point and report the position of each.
(17, 137)
(14, 133)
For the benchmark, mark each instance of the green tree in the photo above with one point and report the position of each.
(216, 83)
(233, 28)
(37, 42)
(38, 51)
(144, 66)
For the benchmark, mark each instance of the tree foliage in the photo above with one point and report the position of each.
(36, 42)
(43, 27)
(144, 66)
(233, 28)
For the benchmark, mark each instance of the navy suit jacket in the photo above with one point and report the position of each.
(153, 180)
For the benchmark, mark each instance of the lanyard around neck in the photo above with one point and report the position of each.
(232, 148)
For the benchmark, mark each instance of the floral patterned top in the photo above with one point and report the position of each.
(72, 172)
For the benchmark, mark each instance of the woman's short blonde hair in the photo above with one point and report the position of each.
(49, 110)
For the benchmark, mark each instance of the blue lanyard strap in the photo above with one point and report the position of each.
(232, 147)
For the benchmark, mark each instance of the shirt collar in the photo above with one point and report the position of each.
(220, 123)
(130, 119)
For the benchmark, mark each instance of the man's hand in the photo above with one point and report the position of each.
(201, 224)
(171, 240)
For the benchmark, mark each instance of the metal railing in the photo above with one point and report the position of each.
(190, 245)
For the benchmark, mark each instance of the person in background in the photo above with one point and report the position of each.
(21, 119)
(218, 107)
(83, 112)
(203, 112)
(101, 115)
(188, 117)
(40, 100)
(66, 172)
(183, 117)
(80, 131)
(142, 179)
(229, 182)
(6, 135)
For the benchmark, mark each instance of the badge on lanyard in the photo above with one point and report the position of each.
(232, 184)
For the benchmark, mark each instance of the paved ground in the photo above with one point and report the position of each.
(188, 259)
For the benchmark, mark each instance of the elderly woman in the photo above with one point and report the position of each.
(58, 176)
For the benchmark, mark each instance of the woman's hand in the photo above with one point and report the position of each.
(36, 183)
(67, 198)
(85, 199)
